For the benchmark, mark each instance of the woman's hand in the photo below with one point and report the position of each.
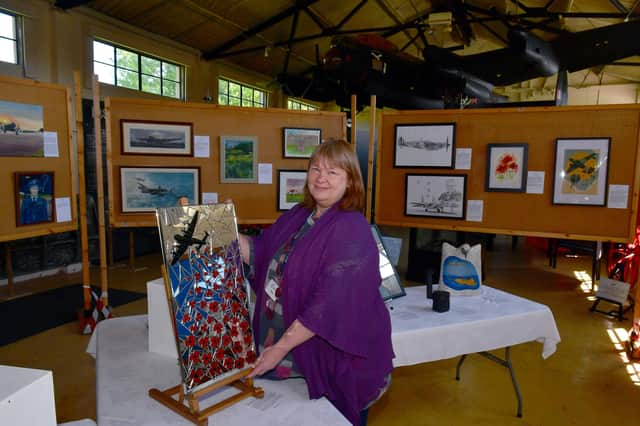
(268, 360)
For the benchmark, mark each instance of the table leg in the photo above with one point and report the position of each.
(503, 362)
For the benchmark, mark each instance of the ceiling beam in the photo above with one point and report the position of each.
(69, 4)
(294, 26)
(215, 53)
(389, 11)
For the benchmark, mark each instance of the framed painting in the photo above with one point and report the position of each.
(300, 143)
(144, 189)
(424, 145)
(581, 171)
(208, 299)
(290, 188)
(238, 159)
(391, 285)
(21, 130)
(34, 198)
(435, 195)
(506, 167)
(156, 137)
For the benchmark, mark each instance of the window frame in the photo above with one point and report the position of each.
(140, 73)
(308, 106)
(18, 41)
(242, 101)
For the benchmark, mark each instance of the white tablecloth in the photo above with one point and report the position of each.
(125, 371)
(491, 320)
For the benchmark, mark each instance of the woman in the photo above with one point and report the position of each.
(316, 275)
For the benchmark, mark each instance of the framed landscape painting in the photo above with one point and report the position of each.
(581, 171)
(21, 130)
(238, 159)
(435, 195)
(300, 143)
(34, 198)
(506, 167)
(424, 145)
(290, 188)
(156, 137)
(143, 189)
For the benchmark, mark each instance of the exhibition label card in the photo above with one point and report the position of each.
(535, 183)
(463, 159)
(201, 146)
(265, 173)
(63, 209)
(618, 196)
(474, 210)
(209, 198)
(51, 144)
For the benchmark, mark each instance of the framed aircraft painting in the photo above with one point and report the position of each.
(21, 130)
(435, 195)
(506, 167)
(424, 145)
(156, 137)
(143, 189)
(207, 292)
(581, 171)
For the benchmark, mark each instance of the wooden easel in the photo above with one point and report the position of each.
(192, 411)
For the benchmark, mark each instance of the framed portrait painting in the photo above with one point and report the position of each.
(290, 188)
(424, 145)
(144, 189)
(238, 159)
(506, 167)
(300, 143)
(156, 137)
(435, 195)
(581, 171)
(34, 198)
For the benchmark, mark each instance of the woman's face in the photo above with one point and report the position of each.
(327, 183)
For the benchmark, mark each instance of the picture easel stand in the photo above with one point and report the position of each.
(615, 313)
(192, 412)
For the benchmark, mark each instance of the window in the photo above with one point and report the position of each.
(295, 104)
(126, 68)
(236, 94)
(8, 38)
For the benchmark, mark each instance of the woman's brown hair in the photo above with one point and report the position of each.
(339, 153)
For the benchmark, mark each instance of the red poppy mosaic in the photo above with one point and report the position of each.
(211, 314)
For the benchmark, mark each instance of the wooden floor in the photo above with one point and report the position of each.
(588, 381)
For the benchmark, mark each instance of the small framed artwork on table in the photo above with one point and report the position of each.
(156, 137)
(581, 171)
(34, 198)
(435, 196)
(290, 188)
(506, 167)
(238, 159)
(424, 145)
(300, 143)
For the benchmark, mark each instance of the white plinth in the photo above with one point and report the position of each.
(26, 397)
(161, 338)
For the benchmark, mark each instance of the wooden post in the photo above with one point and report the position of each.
(97, 126)
(82, 190)
(354, 112)
(372, 141)
(8, 266)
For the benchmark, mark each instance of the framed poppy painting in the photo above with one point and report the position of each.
(208, 294)
(581, 171)
(506, 167)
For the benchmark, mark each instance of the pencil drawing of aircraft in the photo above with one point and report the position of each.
(425, 144)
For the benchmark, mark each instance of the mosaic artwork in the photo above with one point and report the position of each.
(209, 296)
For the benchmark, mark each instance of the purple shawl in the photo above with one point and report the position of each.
(331, 282)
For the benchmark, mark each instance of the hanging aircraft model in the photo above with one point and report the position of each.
(368, 65)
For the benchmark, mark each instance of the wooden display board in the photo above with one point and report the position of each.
(55, 101)
(512, 212)
(255, 203)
